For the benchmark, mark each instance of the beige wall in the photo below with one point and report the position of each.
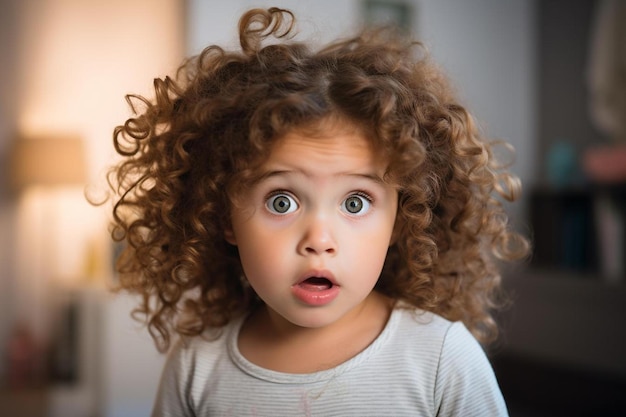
(66, 66)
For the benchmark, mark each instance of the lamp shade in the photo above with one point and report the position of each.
(47, 161)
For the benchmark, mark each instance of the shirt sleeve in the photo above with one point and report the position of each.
(466, 384)
(173, 399)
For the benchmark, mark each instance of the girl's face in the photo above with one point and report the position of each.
(314, 231)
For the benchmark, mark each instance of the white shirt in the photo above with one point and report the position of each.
(420, 365)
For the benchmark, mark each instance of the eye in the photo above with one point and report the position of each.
(281, 203)
(357, 204)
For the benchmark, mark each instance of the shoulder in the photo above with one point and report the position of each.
(422, 327)
(196, 358)
(190, 364)
(450, 342)
(419, 326)
(416, 341)
(453, 362)
(198, 350)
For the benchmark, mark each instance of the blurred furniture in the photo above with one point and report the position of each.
(118, 366)
(563, 346)
(580, 229)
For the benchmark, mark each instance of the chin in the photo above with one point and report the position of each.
(314, 318)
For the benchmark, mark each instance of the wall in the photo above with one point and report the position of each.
(8, 75)
(488, 49)
(563, 89)
(216, 23)
(67, 65)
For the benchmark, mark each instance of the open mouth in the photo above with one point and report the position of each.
(316, 284)
(318, 289)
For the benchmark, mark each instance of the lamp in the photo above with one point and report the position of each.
(37, 168)
(44, 171)
(47, 161)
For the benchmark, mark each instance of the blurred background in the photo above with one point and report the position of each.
(549, 77)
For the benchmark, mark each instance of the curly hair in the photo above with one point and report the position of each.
(188, 152)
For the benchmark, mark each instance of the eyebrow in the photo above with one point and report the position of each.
(276, 173)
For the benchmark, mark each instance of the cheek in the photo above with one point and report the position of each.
(370, 251)
(366, 251)
(261, 252)
(372, 255)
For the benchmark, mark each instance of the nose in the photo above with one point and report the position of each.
(318, 237)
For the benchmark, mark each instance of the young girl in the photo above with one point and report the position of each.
(319, 228)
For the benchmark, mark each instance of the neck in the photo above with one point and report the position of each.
(270, 341)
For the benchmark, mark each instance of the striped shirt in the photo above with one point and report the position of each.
(420, 365)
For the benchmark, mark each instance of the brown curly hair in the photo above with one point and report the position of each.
(190, 150)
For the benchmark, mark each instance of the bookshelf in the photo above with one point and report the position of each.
(562, 349)
(580, 230)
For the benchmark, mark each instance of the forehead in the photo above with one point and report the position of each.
(323, 149)
(326, 142)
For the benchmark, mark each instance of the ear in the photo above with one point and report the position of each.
(229, 235)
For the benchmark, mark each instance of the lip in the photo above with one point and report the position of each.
(313, 295)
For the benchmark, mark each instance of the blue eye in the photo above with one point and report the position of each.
(281, 204)
(356, 204)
